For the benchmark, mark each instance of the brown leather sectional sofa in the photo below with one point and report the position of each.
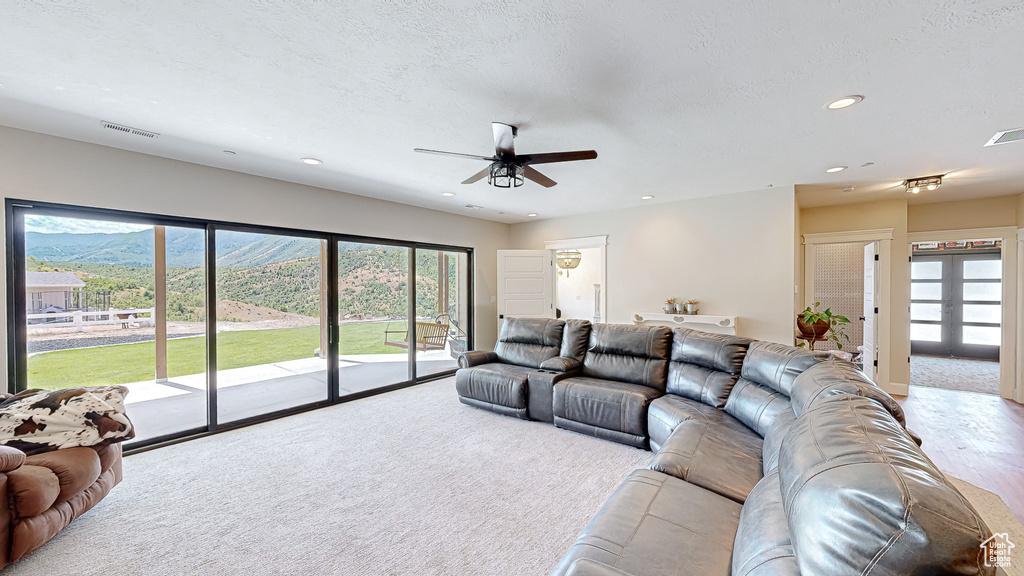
(769, 459)
(45, 492)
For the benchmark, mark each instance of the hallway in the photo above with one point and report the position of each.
(961, 374)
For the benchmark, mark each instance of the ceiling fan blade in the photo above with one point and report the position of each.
(503, 135)
(471, 156)
(537, 177)
(550, 157)
(478, 176)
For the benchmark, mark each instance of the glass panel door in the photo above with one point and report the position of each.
(119, 303)
(955, 305)
(442, 311)
(373, 316)
(271, 302)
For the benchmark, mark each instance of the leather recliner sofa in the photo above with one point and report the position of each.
(44, 492)
(770, 460)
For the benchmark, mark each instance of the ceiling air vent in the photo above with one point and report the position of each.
(1007, 136)
(130, 130)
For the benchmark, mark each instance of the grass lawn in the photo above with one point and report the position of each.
(125, 363)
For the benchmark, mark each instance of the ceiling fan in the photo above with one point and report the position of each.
(509, 169)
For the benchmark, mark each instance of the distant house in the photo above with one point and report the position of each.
(52, 292)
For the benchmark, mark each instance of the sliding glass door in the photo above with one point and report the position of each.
(441, 309)
(271, 301)
(215, 325)
(118, 303)
(373, 316)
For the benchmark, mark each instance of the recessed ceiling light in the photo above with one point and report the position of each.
(647, 197)
(866, 164)
(532, 214)
(844, 102)
(474, 207)
(836, 169)
(229, 152)
(849, 188)
(448, 194)
(312, 161)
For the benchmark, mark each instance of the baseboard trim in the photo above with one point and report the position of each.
(897, 388)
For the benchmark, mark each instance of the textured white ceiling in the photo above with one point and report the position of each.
(680, 99)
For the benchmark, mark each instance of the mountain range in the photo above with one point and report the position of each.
(185, 248)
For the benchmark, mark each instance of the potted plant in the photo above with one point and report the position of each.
(670, 306)
(691, 306)
(814, 325)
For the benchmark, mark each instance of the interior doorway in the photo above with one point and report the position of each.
(956, 315)
(845, 281)
(578, 284)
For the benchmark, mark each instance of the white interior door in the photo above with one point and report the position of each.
(870, 353)
(526, 286)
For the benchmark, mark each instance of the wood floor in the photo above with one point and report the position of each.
(976, 437)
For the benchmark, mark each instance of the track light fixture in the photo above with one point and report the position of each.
(915, 185)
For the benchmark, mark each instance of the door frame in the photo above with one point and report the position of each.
(1009, 352)
(599, 242)
(882, 328)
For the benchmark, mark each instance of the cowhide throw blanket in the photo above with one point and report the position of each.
(36, 421)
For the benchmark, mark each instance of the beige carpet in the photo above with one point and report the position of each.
(998, 517)
(410, 482)
(955, 374)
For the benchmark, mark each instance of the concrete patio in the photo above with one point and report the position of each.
(160, 408)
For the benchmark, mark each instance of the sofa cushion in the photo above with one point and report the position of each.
(860, 496)
(717, 453)
(32, 489)
(777, 365)
(76, 469)
(529, 341)
(36, 421)
(575, 338)
(773, 440)
(699, 383)
(839, 377)
(605, 404)
(719, 352)
(755, 405)
(500, 388)
(763, 546)
(657, 525)
(630, 354)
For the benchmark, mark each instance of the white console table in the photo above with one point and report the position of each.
(724, 324)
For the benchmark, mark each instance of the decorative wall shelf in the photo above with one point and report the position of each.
(685, 319)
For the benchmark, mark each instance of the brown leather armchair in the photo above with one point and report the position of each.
(45, 492)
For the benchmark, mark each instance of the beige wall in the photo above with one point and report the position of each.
(734, 253)
(980, 213)
(872, 216)
(45, 168)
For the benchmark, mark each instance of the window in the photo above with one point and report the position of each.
(214, 325)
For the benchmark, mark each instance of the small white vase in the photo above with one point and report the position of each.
(691, 308)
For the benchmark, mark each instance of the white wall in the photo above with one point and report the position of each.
(50, 169)
(734, 253)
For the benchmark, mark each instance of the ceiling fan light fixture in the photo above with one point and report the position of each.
(506, 175)
(914, 185)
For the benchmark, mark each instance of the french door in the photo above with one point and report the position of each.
(956, 306)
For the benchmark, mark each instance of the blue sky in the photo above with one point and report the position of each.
(54, 225)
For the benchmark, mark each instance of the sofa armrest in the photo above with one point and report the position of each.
(588, 567)
(561, 364)
(11, 458)
(476, 357)
(676, 453)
